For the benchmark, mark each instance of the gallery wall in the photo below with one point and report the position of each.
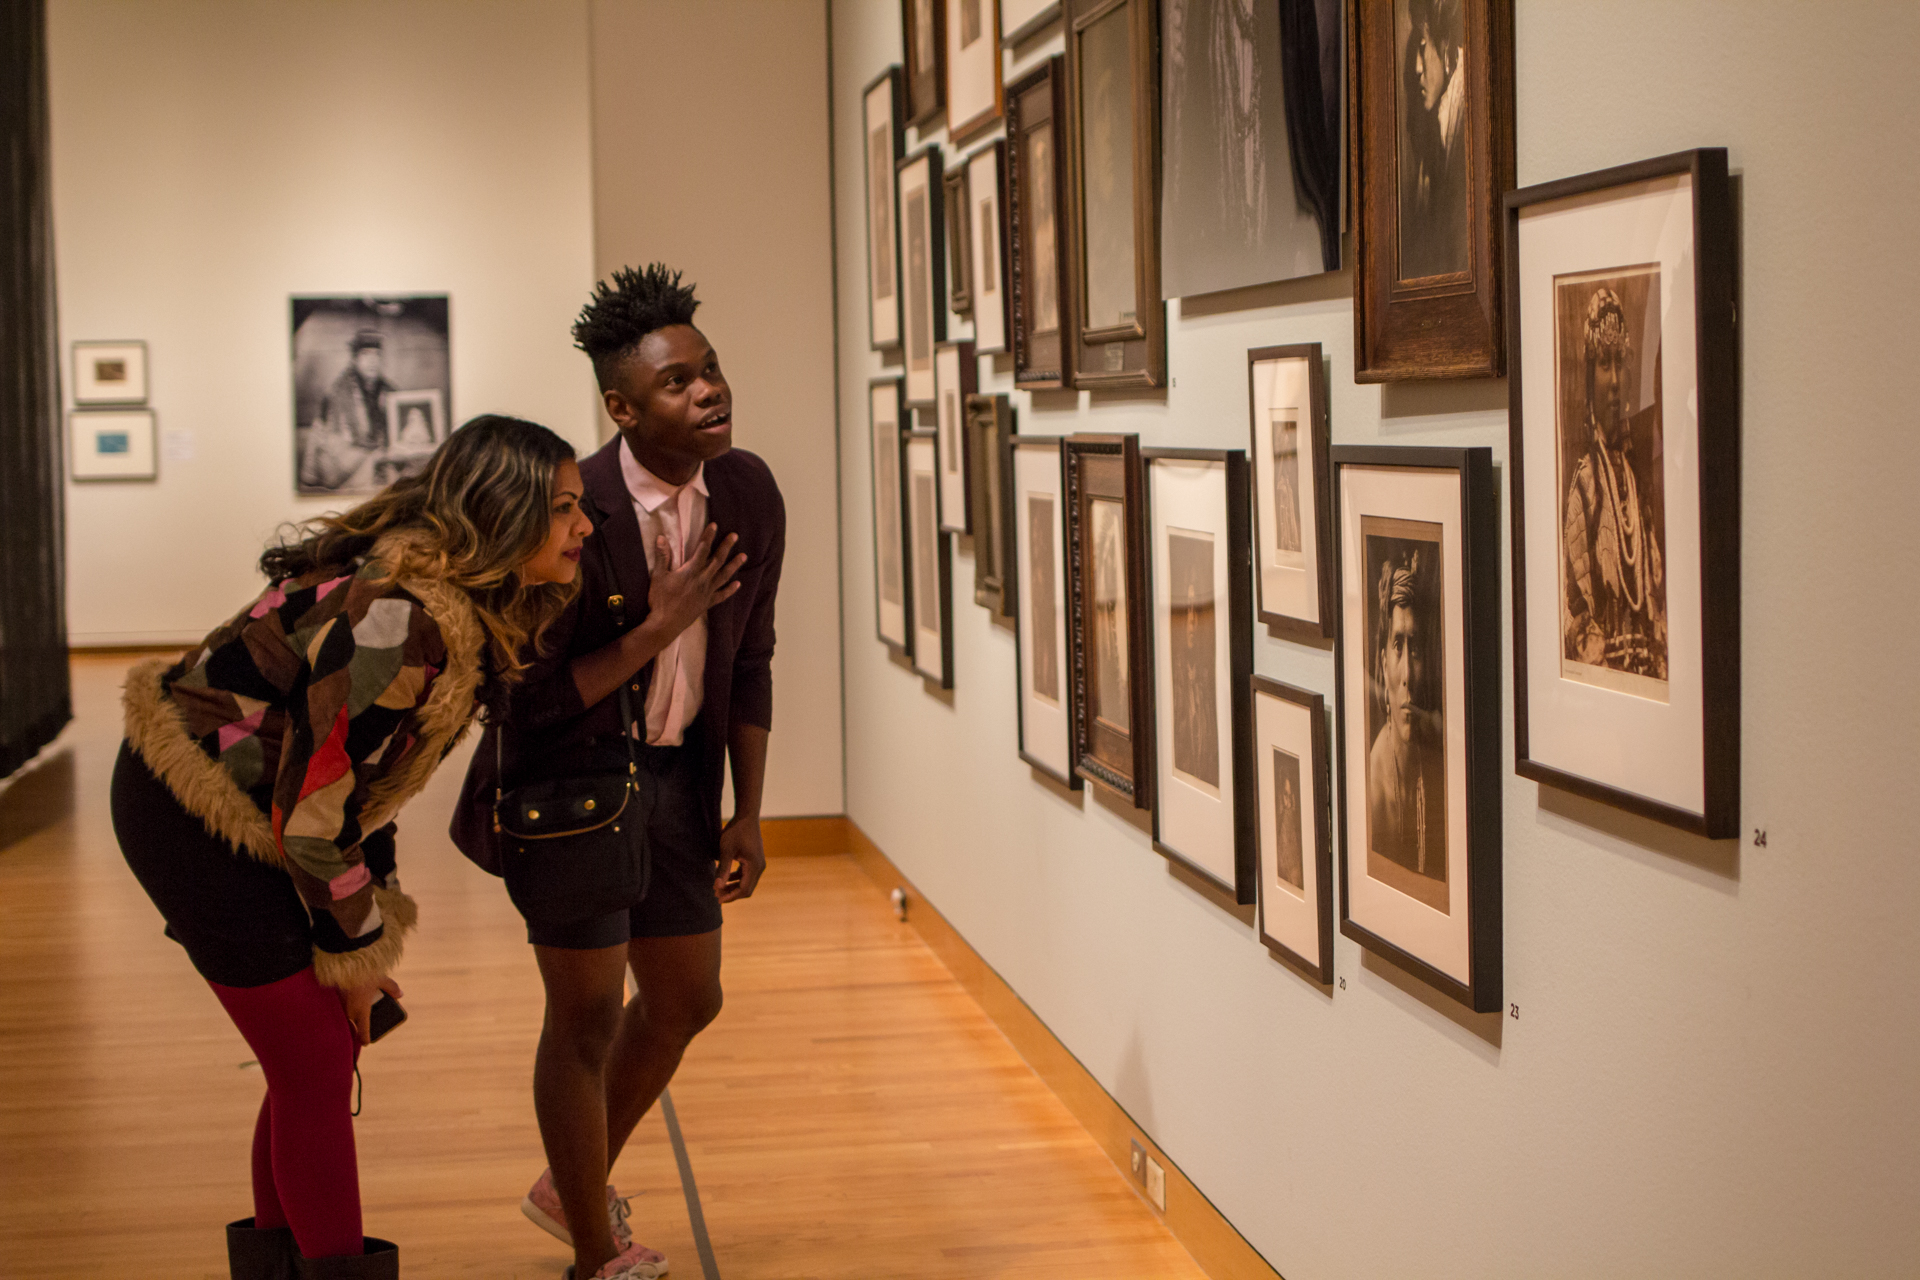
(1708, 1068)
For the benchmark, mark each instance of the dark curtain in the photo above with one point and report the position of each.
(1313, 116)
(35, 696)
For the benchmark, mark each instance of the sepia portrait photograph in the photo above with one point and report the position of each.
(889, 533)
(923, 271)
(1286, 819)
(1191, 657)
(1043, 597)
(1110, 678)
(1293, 560)
(371, 390)
(924, 46)
(930, 567)
(1036, 254)
(1109, 631)
(1035, 592)
(885, 139)
(1431, 117)
(955, 375)
(1613, 512)
(989, 426)
(1296, 858)
(1043, 224)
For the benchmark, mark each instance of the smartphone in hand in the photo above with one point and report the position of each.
(385, 1015)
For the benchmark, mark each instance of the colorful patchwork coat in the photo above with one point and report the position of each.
(297, 730)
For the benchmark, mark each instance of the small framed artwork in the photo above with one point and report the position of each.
(892, 565)
(922, 270)
(1202, 648)
(989, 424)
(932, 560)
(1293, 520)
(112, 444)
(417, 419)
(1113, 105)
(1107, 630)
(1022, 20)
(886, 142)
(110, 373)
(1418, 696)
(959, 239)
(986, 176)
(975, 91)
(1434, 152)
(955, 377)
(1625, 449)
(1036, 516)
(923, 25)
(1293, 820)
(1037, 256)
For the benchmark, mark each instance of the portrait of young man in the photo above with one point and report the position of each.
(689, 537)
(1433, 138)
(1406, 766)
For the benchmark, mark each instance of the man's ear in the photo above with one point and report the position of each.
(617, 408)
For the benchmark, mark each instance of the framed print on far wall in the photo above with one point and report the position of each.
(886, 141)
(959, 239)
(1292, 516)
(923, 274)
(955, 376)
(1038, 257)
(1035, 586)
(112, 444)
(1625, 449)
(1202, 650)
(1113, 106)
(986, 177)
(923, 28)
(110, 372)
(1433, 154)
(892, 565)
(1107, 634)
(1293, 819)
(974, 88)
(989, 423)
(1417, 688)
(931, 559)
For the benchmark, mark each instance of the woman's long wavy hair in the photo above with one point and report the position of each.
(479, 509)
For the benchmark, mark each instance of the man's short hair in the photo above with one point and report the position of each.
(634, 303)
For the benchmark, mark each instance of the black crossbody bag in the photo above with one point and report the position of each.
(574, 846)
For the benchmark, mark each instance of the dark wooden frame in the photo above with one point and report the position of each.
(1319, 968)
(1716, 357)
(905, 647)
(1010, 515)
(936, 259)
(891, 76)
(1444, 326)
(926, 87)
(957, 215)
(1480, 655)
(1238, 618)
(1125, 355)
(969, 384)
(943, 557)
(1002, 278)
(1136, 785)
(1319, 473)
(963, 131)
(987, 422)
(1033, 370)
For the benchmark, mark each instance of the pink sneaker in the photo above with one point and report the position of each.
(542, 1207)
(637, 1263)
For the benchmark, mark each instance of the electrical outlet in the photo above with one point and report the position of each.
(1139, 1164)
(1156, 1184)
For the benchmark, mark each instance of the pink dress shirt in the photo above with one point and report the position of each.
(677, 514)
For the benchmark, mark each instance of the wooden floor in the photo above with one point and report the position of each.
(851, 1114)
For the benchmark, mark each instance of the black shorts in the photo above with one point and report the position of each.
(685, 850)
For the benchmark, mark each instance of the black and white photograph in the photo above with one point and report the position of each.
(931, 571)
(924, 51)
(986, 176)
(1038, 261)
(109, 373)
(1202, 654)
(352, 356)
(923, 270)
(889, 530)
(1418, 691)
(1293, 521)
(1035, 588)
(973, 68)
(886, 139)
(1287, 865)
(1431, 116)
(989, 423)
(1624, 449)
(1253, 142)
(1110, 665)
(955, 377)
(1293, 821)
(1109, 641)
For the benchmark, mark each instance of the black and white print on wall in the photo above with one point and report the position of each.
(885, 139)
(891, 575)
(1038, 582)
(931, 571)
(1292, 516)
(1296, 855)
(371, 390)
(954, 375)
(986, 175)
(923, 271)
(973, 68)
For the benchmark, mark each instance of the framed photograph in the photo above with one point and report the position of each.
(886, 142)
(1418, 695)
(1625, 450)
(1037, 256)
(1202, 650)
(1107, 632)
(932, 561)
(1293, 819)
(974, 89)
(1022, 20)
(112, 444)
(989, 424)
(110, 373)
(355, 359)
(1113, 106)
(955, 377)
(922, 270)
(1253, 107)
(1036, 518)
(892, 564)
(959, 237)
(986, 177)
(1293, 519)
(1434, 153)
(923, 25)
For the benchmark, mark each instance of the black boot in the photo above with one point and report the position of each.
(256, 1253)
(381, 1261)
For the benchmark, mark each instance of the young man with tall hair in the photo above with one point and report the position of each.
(695, 531)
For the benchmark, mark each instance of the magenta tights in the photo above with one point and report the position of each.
(304, 1174)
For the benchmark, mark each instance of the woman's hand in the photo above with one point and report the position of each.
(359, 1002)
(677, 598)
